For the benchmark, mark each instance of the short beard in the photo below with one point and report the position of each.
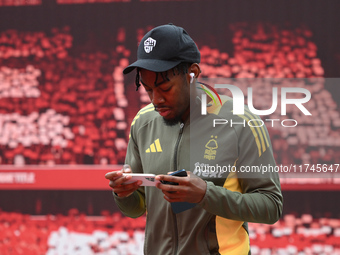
(172, 122)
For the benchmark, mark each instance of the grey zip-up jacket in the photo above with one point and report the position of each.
(231, 158)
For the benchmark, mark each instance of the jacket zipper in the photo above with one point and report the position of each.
(175, 169)
(177, 143)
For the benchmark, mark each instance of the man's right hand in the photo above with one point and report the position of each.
(117, 182)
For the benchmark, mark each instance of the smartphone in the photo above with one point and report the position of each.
(147, 179)
(180, 173)
(178, 207)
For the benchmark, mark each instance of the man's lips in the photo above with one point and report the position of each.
(163, 111)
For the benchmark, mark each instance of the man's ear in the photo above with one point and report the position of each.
(193, 72)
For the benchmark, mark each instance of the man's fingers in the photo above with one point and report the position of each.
(122, 189)
(189, 189)
(174, 196)
(127, 169)
(113, 175)
(120, 184)
(170, 178)
(171, 188)
(118, 173)
(119, 181)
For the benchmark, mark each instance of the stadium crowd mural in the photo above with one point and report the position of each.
(57, 108)
(77, 233)
(61, 107)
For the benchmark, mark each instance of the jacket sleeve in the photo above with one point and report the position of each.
(134, 205)
(259, 198)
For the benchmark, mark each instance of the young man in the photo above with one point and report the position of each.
(171, 134)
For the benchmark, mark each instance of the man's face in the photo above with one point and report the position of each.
(171, 98)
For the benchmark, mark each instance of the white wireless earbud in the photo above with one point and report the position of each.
(192, 76)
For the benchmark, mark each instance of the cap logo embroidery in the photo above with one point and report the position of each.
(149, 44)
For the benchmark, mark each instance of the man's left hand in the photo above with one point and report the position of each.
(189, 189)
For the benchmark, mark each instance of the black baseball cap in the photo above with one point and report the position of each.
(163, 48)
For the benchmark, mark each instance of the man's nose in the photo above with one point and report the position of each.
(157, 98)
